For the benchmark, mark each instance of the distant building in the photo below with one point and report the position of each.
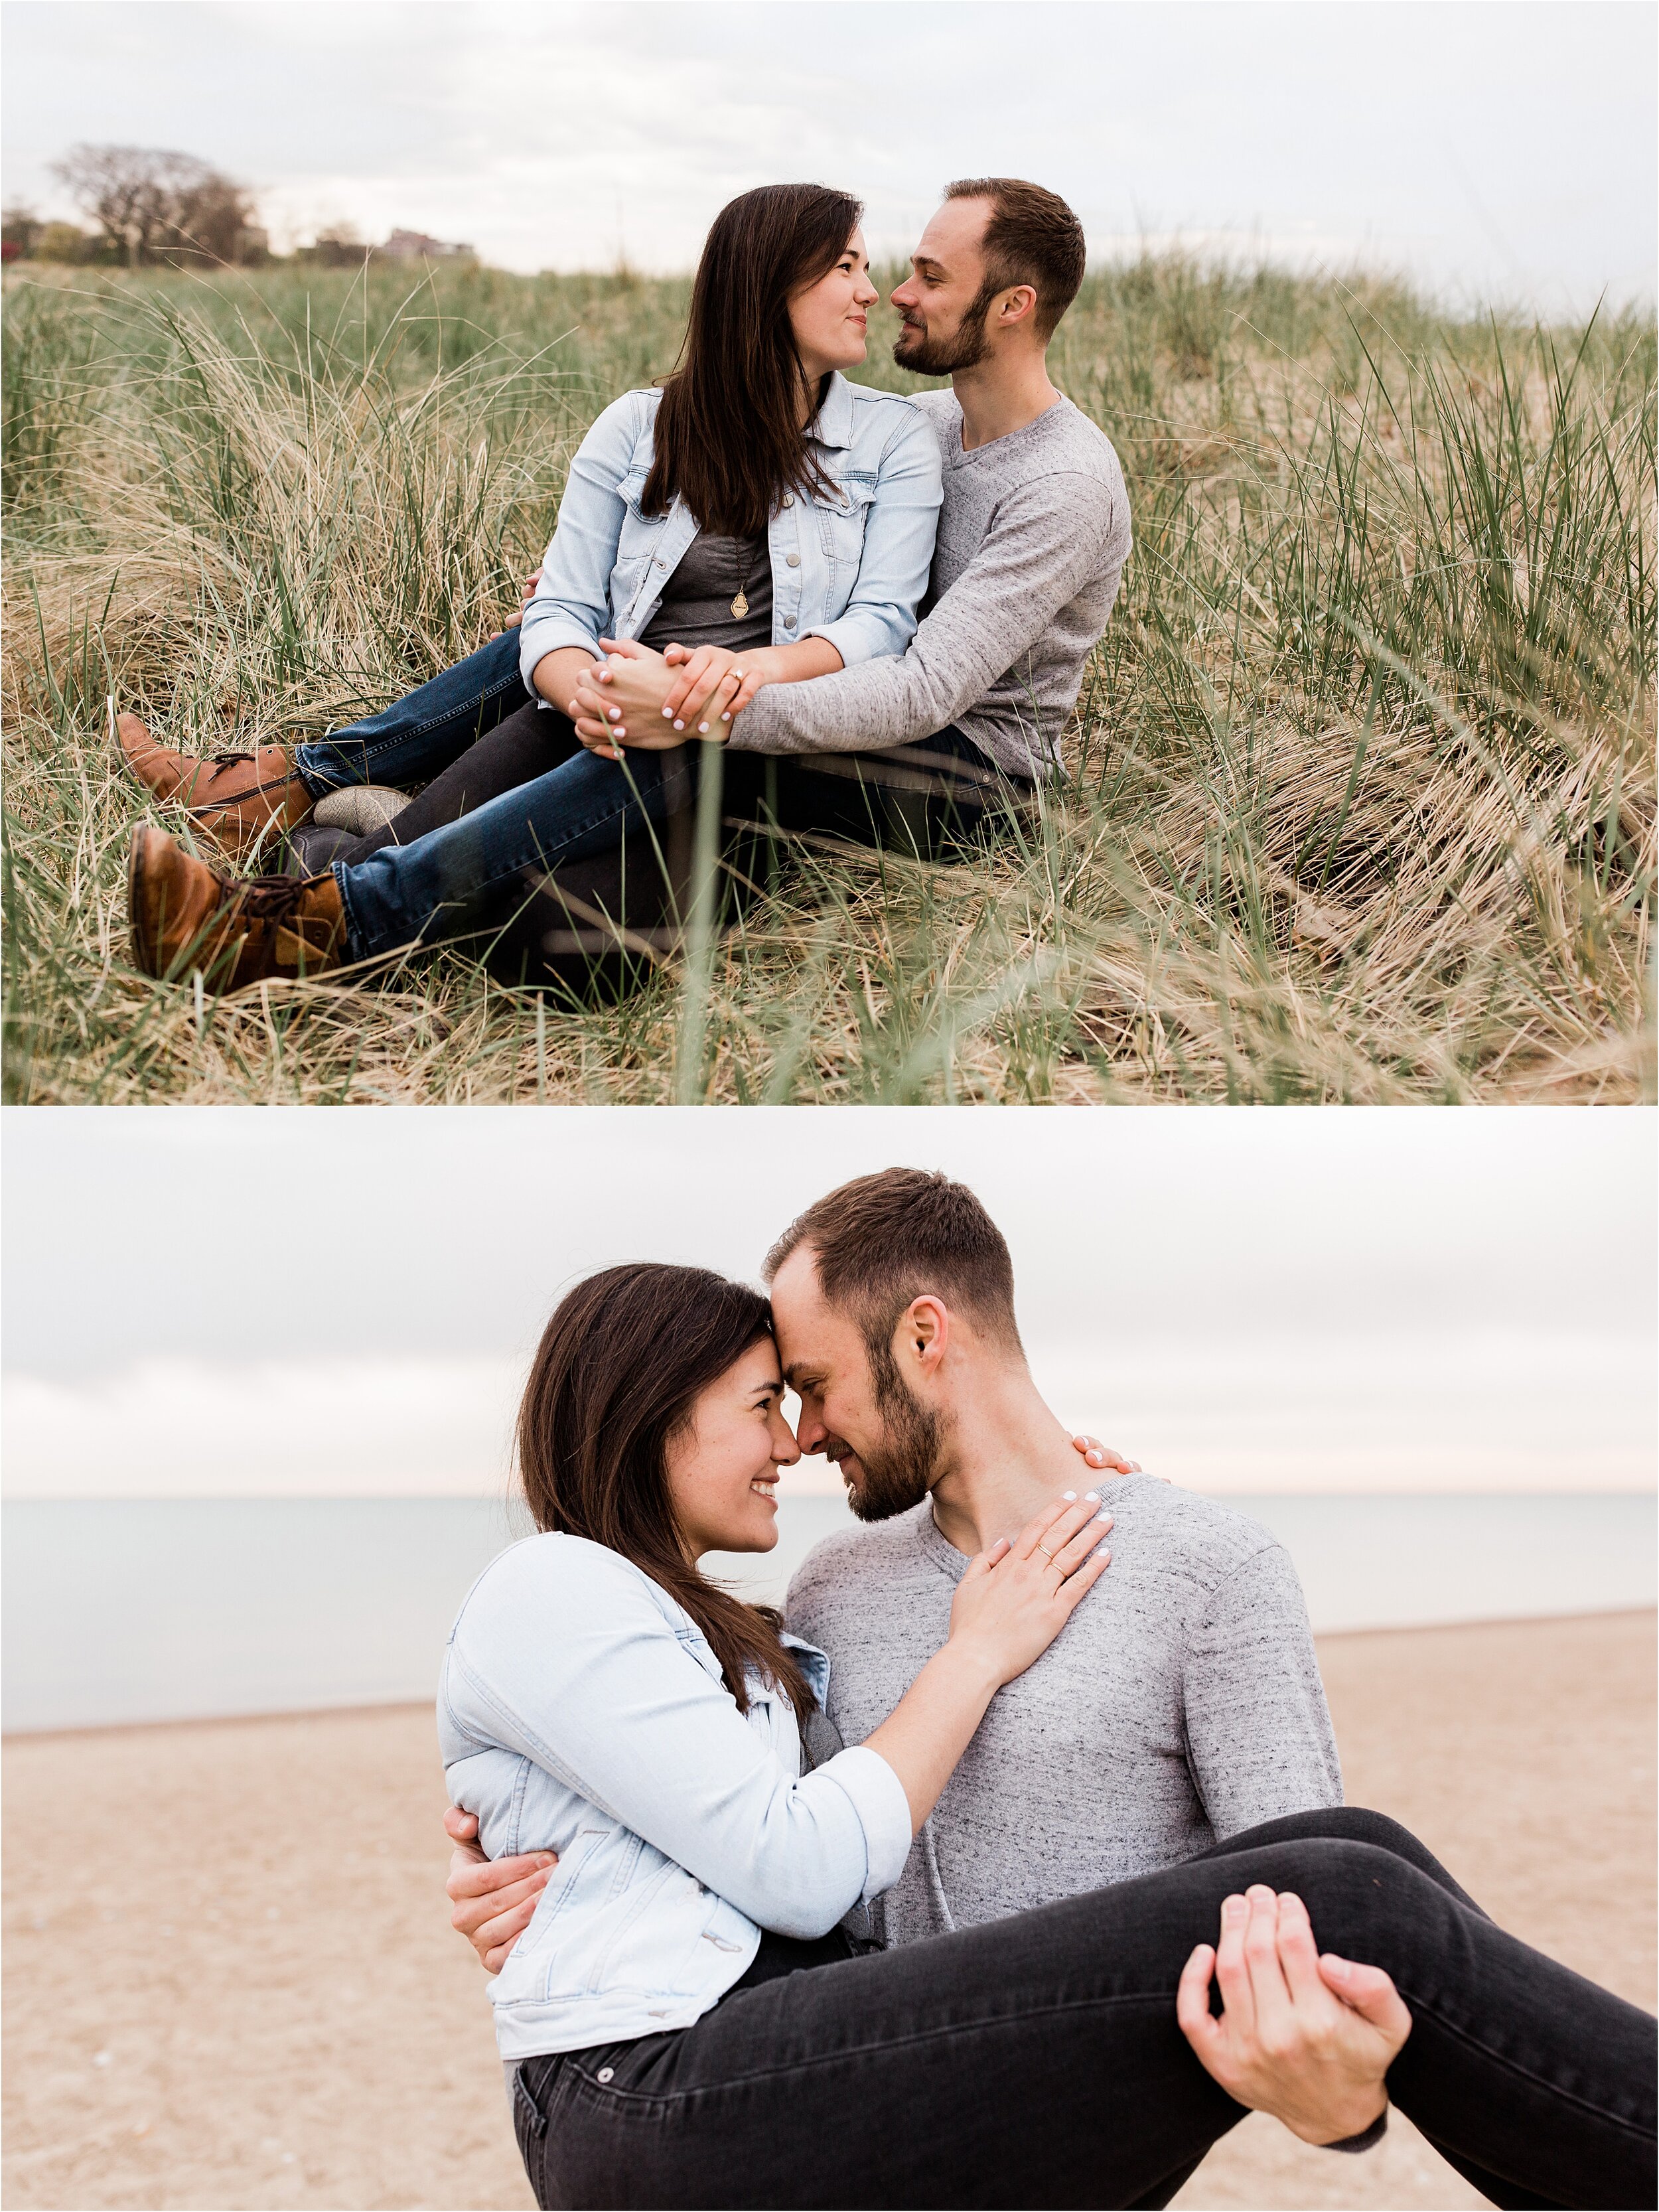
(416, 245)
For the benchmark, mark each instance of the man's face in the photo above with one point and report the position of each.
(942, 299)
(856, 1410)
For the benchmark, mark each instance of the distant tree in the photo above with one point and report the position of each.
(20, 232)
(336, 248)
(152, 204)
(65, 241)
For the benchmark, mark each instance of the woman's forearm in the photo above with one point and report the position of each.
(558, 674)
(932, 1725)
(794, 664)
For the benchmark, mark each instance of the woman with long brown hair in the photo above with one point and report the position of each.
(756, 506)
(686, 2022)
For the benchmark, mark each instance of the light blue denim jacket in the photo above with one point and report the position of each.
(851, 566)
(582, 1711)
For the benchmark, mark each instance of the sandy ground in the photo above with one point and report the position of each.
(230, 1981)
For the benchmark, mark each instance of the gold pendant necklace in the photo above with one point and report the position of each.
(740, 605)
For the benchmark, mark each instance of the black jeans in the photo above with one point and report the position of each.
(528, 847)
(1037, 2062)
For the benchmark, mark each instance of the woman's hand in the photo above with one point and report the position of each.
(1310, 2039)
(1015, 1599)
(619, 704)
(713, 685)
(1099, 1455)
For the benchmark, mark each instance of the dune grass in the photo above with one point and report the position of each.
(1362, 793)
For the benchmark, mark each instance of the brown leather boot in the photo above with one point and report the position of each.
(236, 797)
(186, 915)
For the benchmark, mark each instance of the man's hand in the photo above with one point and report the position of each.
(493, 1899)
(1310, 2039)
(513, 620)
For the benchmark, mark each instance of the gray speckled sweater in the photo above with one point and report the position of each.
(1032, 539)
(1180, 1703)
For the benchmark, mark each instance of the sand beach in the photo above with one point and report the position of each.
(230, 1981)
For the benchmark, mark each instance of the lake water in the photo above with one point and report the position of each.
(166, 1609)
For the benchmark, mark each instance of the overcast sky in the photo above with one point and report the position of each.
(270, 1302)
(1492, 148)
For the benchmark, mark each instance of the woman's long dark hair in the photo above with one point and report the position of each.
(728, 434)
(614, 1377)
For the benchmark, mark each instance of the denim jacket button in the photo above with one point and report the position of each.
(789, 499)
(794, 560)
(605, 2074)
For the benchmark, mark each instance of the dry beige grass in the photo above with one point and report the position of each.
(1362, 795)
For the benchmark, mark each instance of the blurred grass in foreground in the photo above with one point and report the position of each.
(1363, 795)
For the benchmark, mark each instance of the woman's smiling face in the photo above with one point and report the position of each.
(723, 1464)
(831, 318)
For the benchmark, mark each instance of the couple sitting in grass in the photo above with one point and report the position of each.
(1002, 1869)
(740, 559)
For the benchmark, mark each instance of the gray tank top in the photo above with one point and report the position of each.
(697, 606)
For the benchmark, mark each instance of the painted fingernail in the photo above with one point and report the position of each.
(1092, 1496)
(1070, 1496)
(725, 718)
(615, 713)
(665, 714)
(702, 729)
(1094, 1456)
(1105, 1519)
(679, 726)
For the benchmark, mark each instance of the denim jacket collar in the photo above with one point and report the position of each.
(814, 1664)
(832, 425)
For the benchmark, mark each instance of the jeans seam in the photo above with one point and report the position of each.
(884, 2043)
(476, 890)
(372, 748)
(1525, 2073)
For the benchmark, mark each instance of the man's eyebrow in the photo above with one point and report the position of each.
(797, 1374)
(926, 261)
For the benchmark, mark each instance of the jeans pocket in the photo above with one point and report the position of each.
(531, 2098)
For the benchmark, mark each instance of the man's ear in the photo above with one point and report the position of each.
(923, 1334)
(1017, 307)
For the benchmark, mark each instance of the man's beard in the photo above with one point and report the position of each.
(933, 356)
(900, 1470)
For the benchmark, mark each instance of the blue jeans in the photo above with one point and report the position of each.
(424, 731)
(471, 876)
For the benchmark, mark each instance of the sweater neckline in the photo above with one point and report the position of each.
(937, 1546)
(959, 457)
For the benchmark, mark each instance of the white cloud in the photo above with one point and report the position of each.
(1213, 1412)
(551, 134)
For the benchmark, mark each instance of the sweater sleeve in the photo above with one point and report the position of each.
(1259, 1736)
(1044, 544)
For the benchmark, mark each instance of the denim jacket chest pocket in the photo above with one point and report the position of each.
(841, 513)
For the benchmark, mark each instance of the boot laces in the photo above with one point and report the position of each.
(275, 898)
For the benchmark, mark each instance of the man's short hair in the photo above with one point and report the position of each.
(906, 1233)
(1031, 237)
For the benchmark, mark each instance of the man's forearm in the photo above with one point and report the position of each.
(864, 708)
